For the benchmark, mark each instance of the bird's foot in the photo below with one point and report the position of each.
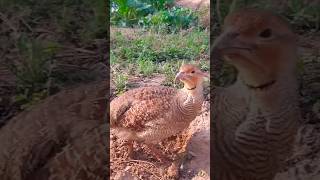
(158, 154)
(173, 171)
(129, 148)
(182, 157)
(178, 164)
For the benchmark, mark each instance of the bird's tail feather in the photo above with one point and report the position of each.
(125, 134)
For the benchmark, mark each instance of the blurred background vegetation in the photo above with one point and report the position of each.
(304, 17)
(160, 15)
(302, 14)
(150, 40)
(46, 45)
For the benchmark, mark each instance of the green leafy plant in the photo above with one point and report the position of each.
(146, 67)
(170, 70)
(32, 33)
(120, 81)
(299, 12)
(171, 20)
(34, 71)
(128, 12)
(151, 14)
(304, 15)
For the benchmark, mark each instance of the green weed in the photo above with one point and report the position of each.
(120, 81)
(130, 12)
(170, 70)
(172, 20)
(307, 16)
(299, 12)
(151, 14)
(146, 67)
(34, 71)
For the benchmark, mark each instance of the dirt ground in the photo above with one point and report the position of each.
(188, 152)
(202, 6)
(193, 4)
(305, 163)
(194, 143)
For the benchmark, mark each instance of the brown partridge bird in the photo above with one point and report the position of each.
(151, 114)
(256, 118)
(64, 138)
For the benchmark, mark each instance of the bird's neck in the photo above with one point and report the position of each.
(284, 89)
(194, 98)
(190, 103)
(195, 91)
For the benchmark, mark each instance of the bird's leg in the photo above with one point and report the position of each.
(130, 148)
(183, 157)
(157, 153)
(129, 144)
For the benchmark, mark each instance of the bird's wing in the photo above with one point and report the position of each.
(139, 106)
(30, 140)
(82, 159)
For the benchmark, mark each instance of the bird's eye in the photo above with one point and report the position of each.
(192, 71)
(266, 33)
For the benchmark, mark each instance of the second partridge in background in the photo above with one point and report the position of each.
(256, 118)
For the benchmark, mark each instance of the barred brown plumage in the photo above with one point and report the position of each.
(256, 118)
(151, 114)
(63, 137)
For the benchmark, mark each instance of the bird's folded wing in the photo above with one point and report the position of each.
(142, 112)
(30, 140)
(137, 107)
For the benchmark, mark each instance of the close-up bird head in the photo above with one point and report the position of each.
(259, 44)
(191, 76)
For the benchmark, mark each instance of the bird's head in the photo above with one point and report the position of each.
(191, 76)
(259, 44)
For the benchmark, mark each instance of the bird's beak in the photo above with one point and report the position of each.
(223, 41)
(228, 42)
(179, 76)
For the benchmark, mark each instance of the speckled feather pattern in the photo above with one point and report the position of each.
(61, 138)
(142, 105)
(153, 113)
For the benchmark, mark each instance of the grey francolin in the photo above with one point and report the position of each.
(256, 118)
(63, 137)
(152, 114)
